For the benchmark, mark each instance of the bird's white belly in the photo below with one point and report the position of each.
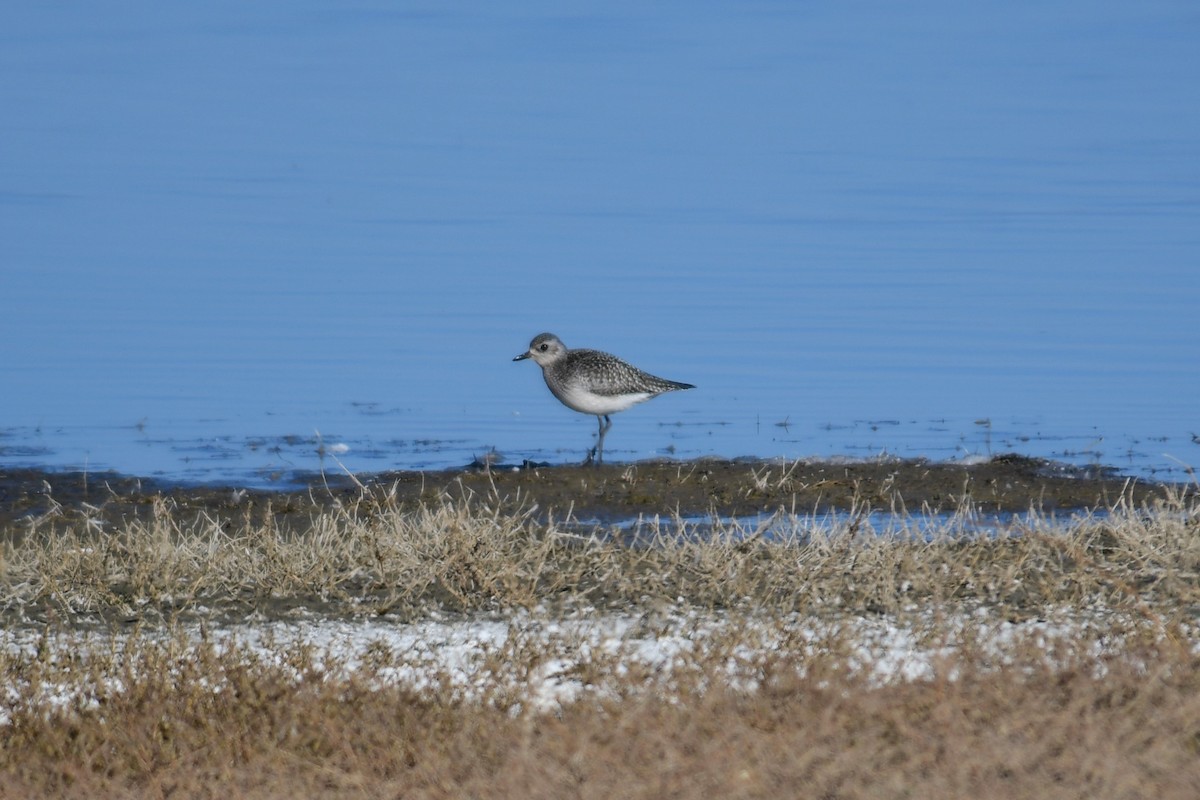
(587, 402)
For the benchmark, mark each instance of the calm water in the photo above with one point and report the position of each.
(858, 229)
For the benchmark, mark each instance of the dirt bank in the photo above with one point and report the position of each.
(612, 492)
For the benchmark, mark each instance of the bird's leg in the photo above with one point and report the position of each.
(604, 426)
(596, 454)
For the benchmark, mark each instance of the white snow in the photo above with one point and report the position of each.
(543, 659)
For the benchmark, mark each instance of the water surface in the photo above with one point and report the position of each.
(941, 231)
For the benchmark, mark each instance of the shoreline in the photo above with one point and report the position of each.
(1006, 483)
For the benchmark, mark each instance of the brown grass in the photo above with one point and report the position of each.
(169, 719)
(1108, 707)
(372, 557)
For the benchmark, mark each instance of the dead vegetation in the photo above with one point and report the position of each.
(1104, 708)
(373, 555)
(173, 718)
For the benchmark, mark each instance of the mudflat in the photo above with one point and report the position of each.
(1004, 483)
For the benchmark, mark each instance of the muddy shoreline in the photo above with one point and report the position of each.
(1005, 483)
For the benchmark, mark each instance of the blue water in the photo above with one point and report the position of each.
(857, 228)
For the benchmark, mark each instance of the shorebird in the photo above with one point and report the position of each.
(593, 382)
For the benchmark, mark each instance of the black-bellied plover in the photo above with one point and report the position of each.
(592, 382)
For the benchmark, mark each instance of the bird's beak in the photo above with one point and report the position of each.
(522, 357)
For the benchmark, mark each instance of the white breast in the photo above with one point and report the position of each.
(587, 402)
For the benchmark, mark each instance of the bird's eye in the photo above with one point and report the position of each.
(543, 347)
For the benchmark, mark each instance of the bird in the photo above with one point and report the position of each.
(594, 382)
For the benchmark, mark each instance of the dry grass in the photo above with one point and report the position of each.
(1110, 708)
(169, 718)
(373, 557)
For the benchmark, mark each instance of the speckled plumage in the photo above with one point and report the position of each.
(594, 382)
